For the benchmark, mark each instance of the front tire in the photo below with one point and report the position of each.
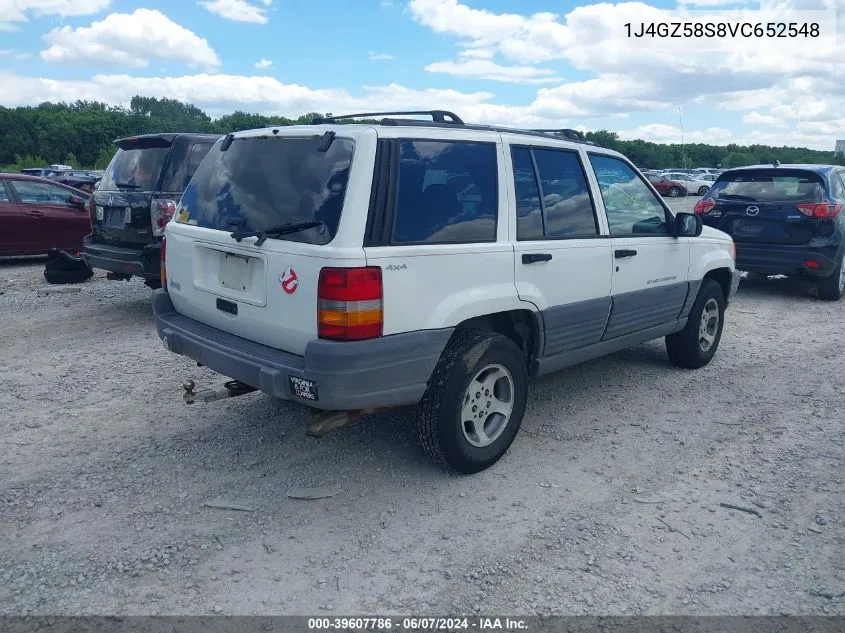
(674, 192)
(695, 345)
(703, 190)
(830, 288)
(475, 401)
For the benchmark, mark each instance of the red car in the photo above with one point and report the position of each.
(38, 215)
(665, 187)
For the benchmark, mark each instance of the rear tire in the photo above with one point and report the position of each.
(695, 345)
(830, 288)
(674, 192)
(475, 401)
(703, 190)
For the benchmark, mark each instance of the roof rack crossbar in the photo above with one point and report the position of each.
(437, 116)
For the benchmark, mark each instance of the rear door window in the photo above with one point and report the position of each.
(769, 185)
(447, 192)
(4, 197)
(258, 183)
(135, 169)
(555, 201)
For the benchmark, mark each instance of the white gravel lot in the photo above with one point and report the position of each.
(608, 502)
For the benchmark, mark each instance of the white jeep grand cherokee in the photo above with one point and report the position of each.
(430, 263)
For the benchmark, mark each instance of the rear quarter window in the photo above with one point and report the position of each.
(447, 192)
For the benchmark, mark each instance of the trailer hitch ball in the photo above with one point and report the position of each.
(189, 386)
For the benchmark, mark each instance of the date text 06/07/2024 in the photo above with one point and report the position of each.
(688, 30)
(417, 624)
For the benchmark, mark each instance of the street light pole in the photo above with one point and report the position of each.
(683, 150)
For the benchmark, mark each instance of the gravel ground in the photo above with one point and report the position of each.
(609, 501)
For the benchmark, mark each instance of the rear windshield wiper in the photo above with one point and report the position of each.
(276, 231)
(735, 196)
(126, 185)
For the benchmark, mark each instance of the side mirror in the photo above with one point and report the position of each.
(688, 225)
(76, 201)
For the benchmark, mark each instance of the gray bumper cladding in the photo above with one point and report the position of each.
(383, 372)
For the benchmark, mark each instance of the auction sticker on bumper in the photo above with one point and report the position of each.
(303, 388)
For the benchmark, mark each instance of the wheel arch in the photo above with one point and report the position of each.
(722, 276)
(523, 326)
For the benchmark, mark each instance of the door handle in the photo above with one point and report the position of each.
(532, 258)
(36, 214)
(624, 252)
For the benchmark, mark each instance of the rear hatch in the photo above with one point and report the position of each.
(264, 287)
(768, 206)
(122, 202)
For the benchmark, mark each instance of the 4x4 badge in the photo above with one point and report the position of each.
(290, 282)
(752, 210)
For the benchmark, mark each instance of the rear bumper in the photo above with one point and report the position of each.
(383, 372)
(777, 259)
(141, 262)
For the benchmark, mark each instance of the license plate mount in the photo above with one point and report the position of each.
(235, 272)
(742, 227)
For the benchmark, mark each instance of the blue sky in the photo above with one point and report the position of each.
(529, 63)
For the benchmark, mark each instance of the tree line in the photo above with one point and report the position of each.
(81, 134)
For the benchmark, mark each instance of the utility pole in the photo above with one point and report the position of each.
(683, 151)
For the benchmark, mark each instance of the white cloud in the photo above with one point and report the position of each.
(13, 54)
(129, 40)
(263, 63)
(661, 133)
(15, 11)
(769, 77)
(487, 69)
(755, 118)
(478, 53)
(225, 92)
(379, 56)
(238, 10)
(386, 4)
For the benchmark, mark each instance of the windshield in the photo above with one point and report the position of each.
(769, 186)
(263, 182)
(134, 169)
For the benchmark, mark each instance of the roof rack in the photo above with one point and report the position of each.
(437, 116)
(439, 119)
(567, 132)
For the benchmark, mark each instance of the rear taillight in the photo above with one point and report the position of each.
(161, 212)
(164, 263)
(821, 210)
(349, 303)
(703, 206)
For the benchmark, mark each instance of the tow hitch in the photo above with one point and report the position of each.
(322, 422)
(230, 390)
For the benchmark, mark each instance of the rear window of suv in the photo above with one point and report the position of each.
(136, 169)
(769, 185)
(262, 182)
